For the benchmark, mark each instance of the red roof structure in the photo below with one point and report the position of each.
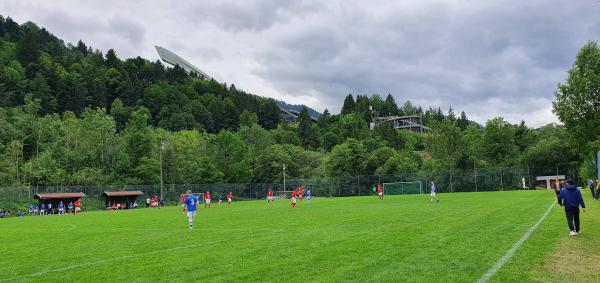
(123, 193)
(58, 196)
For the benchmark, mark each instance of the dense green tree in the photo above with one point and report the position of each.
(112, 61)
(230, 115)
(446, 143)
(499, 141)
(349, 105)
(352, 126)
(285, 135)
(270, 115)
(473, 142)
(388, 133)
(329, 140)
(308, 135)
(391, 107)
(577, 102)
(324, 119)
(400, 162)
(248, 119)
(523, 137)
(378, 158)
(28, 46)
(346, 159)
(463, 121)
(231, 158)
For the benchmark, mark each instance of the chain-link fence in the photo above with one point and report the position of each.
(486, 179)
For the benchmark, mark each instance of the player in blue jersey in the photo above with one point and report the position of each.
(61, 208)
(191, 202)
(433, 194)
(308, 194)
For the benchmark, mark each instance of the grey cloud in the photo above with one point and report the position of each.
(504, 51)
(245, 15)
(489, 58)
(129, 30)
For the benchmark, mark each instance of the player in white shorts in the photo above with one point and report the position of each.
(190, 202)
(294, 196)
(433, 194)
(270, 196)
(207, 199)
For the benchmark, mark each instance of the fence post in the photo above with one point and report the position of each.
(501, 181)
(529, 175)
(358, 183)
(475, 173)
(451, 188)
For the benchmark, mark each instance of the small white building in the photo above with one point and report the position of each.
(550, 180)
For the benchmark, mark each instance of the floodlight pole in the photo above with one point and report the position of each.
(162, 147)
(283, 177)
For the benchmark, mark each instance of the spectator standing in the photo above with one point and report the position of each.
(570, 197)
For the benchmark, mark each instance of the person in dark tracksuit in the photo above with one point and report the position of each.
(570, 197)
(592, 186)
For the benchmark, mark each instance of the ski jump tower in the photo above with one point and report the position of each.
(174, 60)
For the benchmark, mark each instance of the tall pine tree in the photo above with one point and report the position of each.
(349, 105)
(391, 108)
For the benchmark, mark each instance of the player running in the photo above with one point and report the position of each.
(294, 197)
(308, 194)
(380, 191)
(77, 206)
(270, 195)
(207, 199)
(183, 197)
(229, 198)
(433, 194)
(191, 201)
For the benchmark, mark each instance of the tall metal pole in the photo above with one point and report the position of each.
(284, 177)
(529, 175)
(475, 172)
(162, 147)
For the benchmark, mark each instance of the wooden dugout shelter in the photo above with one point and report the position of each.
(56, 198)
(127, 197)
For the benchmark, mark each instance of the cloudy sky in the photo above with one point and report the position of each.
(488, 58)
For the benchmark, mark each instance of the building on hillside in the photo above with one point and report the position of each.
(412, 123)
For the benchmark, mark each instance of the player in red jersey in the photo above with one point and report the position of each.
(380, 191)
(183, 197)
(77, 206)
(270, 195)
(294, 196)
(300, 192)
(207, 199)
(229, 198)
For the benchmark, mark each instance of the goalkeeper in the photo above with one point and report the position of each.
(433, 195)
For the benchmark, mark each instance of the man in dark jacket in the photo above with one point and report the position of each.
(570, 197)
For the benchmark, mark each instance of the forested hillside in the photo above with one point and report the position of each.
(72, 115)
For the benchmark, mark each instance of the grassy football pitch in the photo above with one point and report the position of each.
(402, 238)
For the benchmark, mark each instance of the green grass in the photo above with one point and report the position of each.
(403, 238)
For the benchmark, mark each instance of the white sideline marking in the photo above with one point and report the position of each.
(504, 259)
(119, 258)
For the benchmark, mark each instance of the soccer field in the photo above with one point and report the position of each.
(402, 238)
